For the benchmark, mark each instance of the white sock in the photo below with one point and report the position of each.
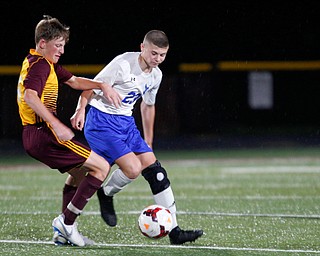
(116, 182)
(166, 199)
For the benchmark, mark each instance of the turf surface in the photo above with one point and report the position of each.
(248, 202)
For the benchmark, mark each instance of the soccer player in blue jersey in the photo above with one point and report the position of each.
(111, 131)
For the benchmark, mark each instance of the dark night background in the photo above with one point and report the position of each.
(202, 109)
(198, 32)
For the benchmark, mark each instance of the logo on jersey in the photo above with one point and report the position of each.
(134, 96)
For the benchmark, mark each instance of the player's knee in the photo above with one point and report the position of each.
(132, 170)
(99, 174)
(132, 173)
(97, 166)
(156, 175)
(104, 171)
(103, 174)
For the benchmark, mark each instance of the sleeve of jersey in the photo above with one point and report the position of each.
(62, 74)
(109, 74)
(37, 76)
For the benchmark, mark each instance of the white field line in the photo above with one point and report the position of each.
(143, 198)
(172, 247)
(95, 213)
(270, 169)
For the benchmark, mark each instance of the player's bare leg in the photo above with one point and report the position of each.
(65, 224)
(116, 182)
(160, 186)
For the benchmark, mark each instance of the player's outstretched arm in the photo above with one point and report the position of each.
(111, 95)
(82, 83)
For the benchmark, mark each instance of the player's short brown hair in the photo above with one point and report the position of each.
(158, 38)
(51, 28)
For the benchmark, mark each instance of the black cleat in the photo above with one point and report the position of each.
(106, 208)
(178, 236)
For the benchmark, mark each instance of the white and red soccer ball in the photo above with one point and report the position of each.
(155, 221)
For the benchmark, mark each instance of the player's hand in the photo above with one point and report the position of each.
(78, 119)
(63, 132)
(111, 95)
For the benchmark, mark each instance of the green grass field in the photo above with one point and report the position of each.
(248, 202)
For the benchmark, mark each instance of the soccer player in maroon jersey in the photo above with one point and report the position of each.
(46, 138)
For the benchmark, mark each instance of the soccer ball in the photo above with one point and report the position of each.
(155, 221)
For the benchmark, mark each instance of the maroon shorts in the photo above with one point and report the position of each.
(40, 143)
